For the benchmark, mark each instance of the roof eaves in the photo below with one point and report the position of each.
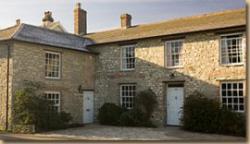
(159, 36)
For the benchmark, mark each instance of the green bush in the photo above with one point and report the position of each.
(146, 102)
(109, 114)
(31, 108)
(206, 115)
(134, 117)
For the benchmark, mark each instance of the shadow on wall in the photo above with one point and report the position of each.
(200, 71)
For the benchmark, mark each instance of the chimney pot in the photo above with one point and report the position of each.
(47, 19)
(78, 5)
(18, 22)
(126, 21)
(80, 20)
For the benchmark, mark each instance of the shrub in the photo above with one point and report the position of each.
(31, 108)
(134, 117)
(206, 115)
(231, 123)
(199, 113)
(109, 114)
(58, 120)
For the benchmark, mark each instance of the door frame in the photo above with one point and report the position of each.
(182, 84)
(88, 90)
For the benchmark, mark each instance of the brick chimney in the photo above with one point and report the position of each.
(80, 20)
(126, 21)
(47, 19)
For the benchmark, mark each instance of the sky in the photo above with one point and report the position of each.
(105, 14)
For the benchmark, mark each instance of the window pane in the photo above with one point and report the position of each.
(52, 65)
(231, 49)
(127, 97)
(174, 52)
(232, 95)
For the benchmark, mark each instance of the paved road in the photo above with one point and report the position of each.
(95, 133)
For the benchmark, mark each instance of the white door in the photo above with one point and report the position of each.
(175, 99)
(88, 106)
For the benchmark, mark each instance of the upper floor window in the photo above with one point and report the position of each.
(54, 98)
(231, 49)
(127, 94)
(52, 65)
(232, 95)
(174, 53)
(128, 57)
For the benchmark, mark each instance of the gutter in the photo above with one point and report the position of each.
(7, 88)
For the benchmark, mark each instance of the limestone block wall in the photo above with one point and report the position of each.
(76, 69)
(4, 50)
(201, 70)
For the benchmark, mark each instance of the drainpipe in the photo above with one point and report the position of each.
(7, 88)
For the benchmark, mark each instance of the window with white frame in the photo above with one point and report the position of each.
(54, 98)
(128, 57)
(174, 53)
(232, 95)
(52, 65)
(127, 94)
(231, 49)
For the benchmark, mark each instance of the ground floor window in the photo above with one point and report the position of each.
(232, 95)
(54, 97)
(127, 94)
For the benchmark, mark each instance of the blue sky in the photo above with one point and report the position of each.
(105, 14)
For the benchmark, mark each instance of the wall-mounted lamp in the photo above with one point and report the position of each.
(172, 75)
(80, 89)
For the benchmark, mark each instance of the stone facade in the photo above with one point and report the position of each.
(4, 81)
(29, 64)
(201, 70)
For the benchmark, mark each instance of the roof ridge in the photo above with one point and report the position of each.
(7, 28)
(54, 31)
(17, 31)
(197, 16)
(175, 19)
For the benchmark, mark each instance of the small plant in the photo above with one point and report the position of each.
(109, 114)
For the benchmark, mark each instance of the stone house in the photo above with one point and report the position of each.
(174, 58)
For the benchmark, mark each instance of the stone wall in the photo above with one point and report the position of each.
(76, 69)
(3, 82)
(201, 70)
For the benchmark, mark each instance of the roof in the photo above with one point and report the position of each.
(34, 34)
(217, 20)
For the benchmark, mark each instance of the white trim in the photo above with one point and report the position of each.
(121, 96)
(244, 97)
(121, 58)
(243, 50)
(166, 58)
(60, 59)
(59, 101)
(230, 34)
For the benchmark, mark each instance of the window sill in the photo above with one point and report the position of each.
(232, 65)
(49, 78)
(127, 70)
(174, 67)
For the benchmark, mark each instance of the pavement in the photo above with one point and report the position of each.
(96, 133)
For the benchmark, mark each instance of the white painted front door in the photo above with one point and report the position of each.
(88, 106)
(175, 99)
